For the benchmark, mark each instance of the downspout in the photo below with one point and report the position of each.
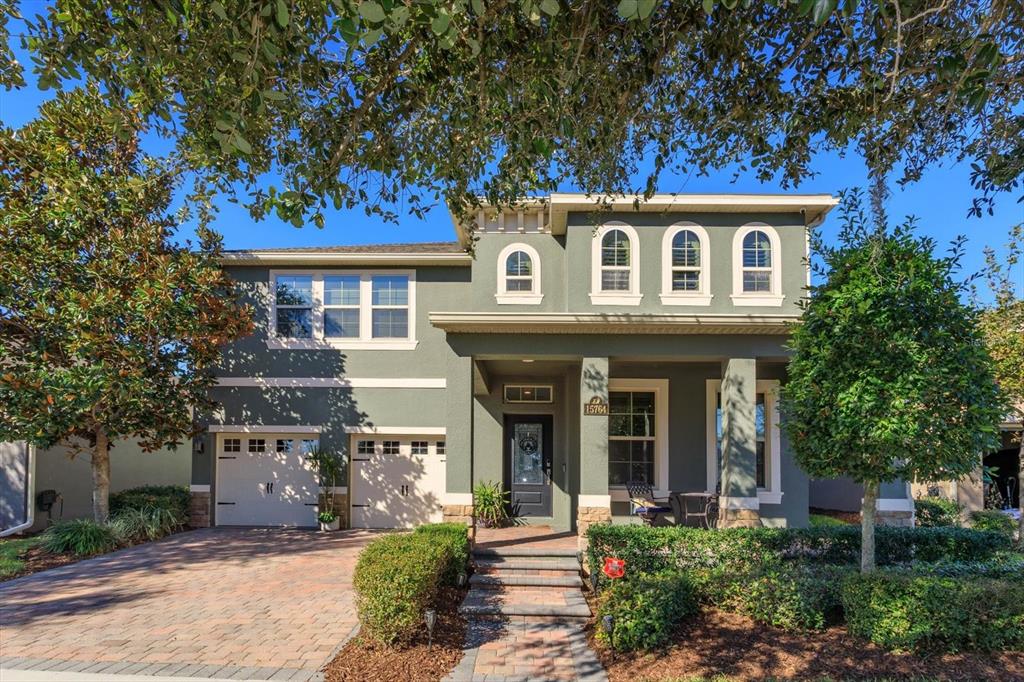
(30, 506)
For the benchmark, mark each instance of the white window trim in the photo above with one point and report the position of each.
(631, 297)
(703, 295)
(773, 441)
(660, 389)
(771, 298)
(365, 341)
(533, 297)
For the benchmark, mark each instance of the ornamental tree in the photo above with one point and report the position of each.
(367, 102)
(1003, 326)
(108, 327)
(889, 377)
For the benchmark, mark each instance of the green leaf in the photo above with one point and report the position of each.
(218, 9)
(805, 7)
(440, 24)
(709, 6)
(274, 95)
(371, 11)
(823, 9)
(478, 7)
(550, 7)
(849, 7)
(241, 144)
(628, 9)
(282, 14)
(645, 8)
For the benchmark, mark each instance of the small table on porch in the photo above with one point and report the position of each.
(703, 501)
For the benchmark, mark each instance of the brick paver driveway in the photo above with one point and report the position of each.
(244, 603)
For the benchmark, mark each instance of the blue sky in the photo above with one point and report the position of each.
(940, 201)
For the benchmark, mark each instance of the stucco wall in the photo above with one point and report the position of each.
(13, 484)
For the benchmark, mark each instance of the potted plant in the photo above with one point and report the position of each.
(328, 467)
(489, 504)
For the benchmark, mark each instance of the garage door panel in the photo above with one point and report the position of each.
(397, 489)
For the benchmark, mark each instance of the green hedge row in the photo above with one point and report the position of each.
(930, 613)
(173, 498)
(399, 576)
(645, 610)
(653, 550)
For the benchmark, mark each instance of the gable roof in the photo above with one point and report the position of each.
(421, 253)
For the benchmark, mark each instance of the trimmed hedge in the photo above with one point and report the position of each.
(993, 521)
(791, 596)
(455, 537)
(398, 577)
(645, 610)
(906, 612)
(174, 498)
(936, 512)
(652, 550)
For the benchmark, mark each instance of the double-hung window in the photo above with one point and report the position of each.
(615, 266)
(767, 446)
(343, 309)
(631, 437)
(757, 262)
(756, 267)
(685, 262)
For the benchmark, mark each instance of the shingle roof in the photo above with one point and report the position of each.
(417, 247)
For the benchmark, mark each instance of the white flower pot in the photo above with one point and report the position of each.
(333, 525)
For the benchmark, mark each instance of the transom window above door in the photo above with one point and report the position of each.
(519, 275)
(342, 309)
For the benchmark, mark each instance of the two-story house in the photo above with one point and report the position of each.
(570, 353)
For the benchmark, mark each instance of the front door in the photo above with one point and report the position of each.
(528, 463)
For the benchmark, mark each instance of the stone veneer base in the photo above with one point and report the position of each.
(457, 513)
(739, 518)
(900, 519)
(585, 517)
(199, 509)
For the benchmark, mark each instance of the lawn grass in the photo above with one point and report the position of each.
(821, 520)
(11, 550)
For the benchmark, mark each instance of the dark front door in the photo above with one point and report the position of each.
(528, 463)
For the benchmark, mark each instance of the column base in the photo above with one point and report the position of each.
(739, 518)
(457, 513)
(199, 509)
(587, 516)
(898, 519)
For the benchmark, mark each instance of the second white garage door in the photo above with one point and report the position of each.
(397, 482)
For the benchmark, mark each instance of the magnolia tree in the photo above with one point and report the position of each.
(1003, 326)
(108, 328)
(890, 378)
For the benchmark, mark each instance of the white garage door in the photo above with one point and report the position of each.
(263, 479)
(397, 482)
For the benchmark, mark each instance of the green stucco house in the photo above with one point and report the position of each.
(570, 353)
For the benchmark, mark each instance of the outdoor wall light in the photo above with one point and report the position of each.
(461, 580)
(430, 618)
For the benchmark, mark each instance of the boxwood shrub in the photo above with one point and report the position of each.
(455, 537)
(935, 512)
(651, 550)
(174, 498)
(398, 577)
(993, 521)
(645, 609)
(913, 612)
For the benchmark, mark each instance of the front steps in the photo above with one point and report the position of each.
(526, 581)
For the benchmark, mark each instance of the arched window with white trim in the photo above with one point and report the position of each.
(615, 266)
(757, 272)
(685, 260)
(519, 275)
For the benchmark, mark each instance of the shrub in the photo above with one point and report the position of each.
(789, 596)
(823, 520)
(905, 612)
(645, 609)
(932, 512)
(455, 537)
(82, 537)
(133, 526)
(490, 501)
(992, 521)
(1007, 565)
(396, 579)
(171, 497)
(651, 550)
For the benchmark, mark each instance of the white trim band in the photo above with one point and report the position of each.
(260, 428)
(739, 503)
(464, 499)
(893, 504)
(195, 488)
(603, 501)
(332, 382)
(398, 430)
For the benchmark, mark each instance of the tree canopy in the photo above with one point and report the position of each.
(890, 378)
(376, 102)
(108, 327)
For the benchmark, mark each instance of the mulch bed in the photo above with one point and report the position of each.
(38, 559)
(363, 659)
(848, 517)
(719, 643)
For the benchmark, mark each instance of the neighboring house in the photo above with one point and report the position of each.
(563, 359)
(49, 485)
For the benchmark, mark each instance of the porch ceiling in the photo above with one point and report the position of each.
(610, 323)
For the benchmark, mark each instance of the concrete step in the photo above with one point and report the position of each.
(497, 580)
(546, 602)
(529, 563)
(532, 552)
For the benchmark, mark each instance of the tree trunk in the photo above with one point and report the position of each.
(867, 527)
(101, 477)
(1020, 481)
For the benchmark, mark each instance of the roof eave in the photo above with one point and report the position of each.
(328, 258)
(606, 323)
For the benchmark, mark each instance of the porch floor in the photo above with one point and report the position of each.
(526, 537)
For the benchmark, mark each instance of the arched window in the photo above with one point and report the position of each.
(684, 266)
(757, 276)
(615, 267)
(519, 275)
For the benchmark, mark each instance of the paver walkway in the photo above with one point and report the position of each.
(214, 603)
(514, 648)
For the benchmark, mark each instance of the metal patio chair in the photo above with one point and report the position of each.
(643, 504)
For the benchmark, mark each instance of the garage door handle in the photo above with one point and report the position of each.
(270, 487)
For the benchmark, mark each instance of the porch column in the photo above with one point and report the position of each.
(594, 504)
(739, 507)
(457, 505)
(895, 506)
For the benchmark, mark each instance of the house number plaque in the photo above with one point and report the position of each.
(595, 408)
